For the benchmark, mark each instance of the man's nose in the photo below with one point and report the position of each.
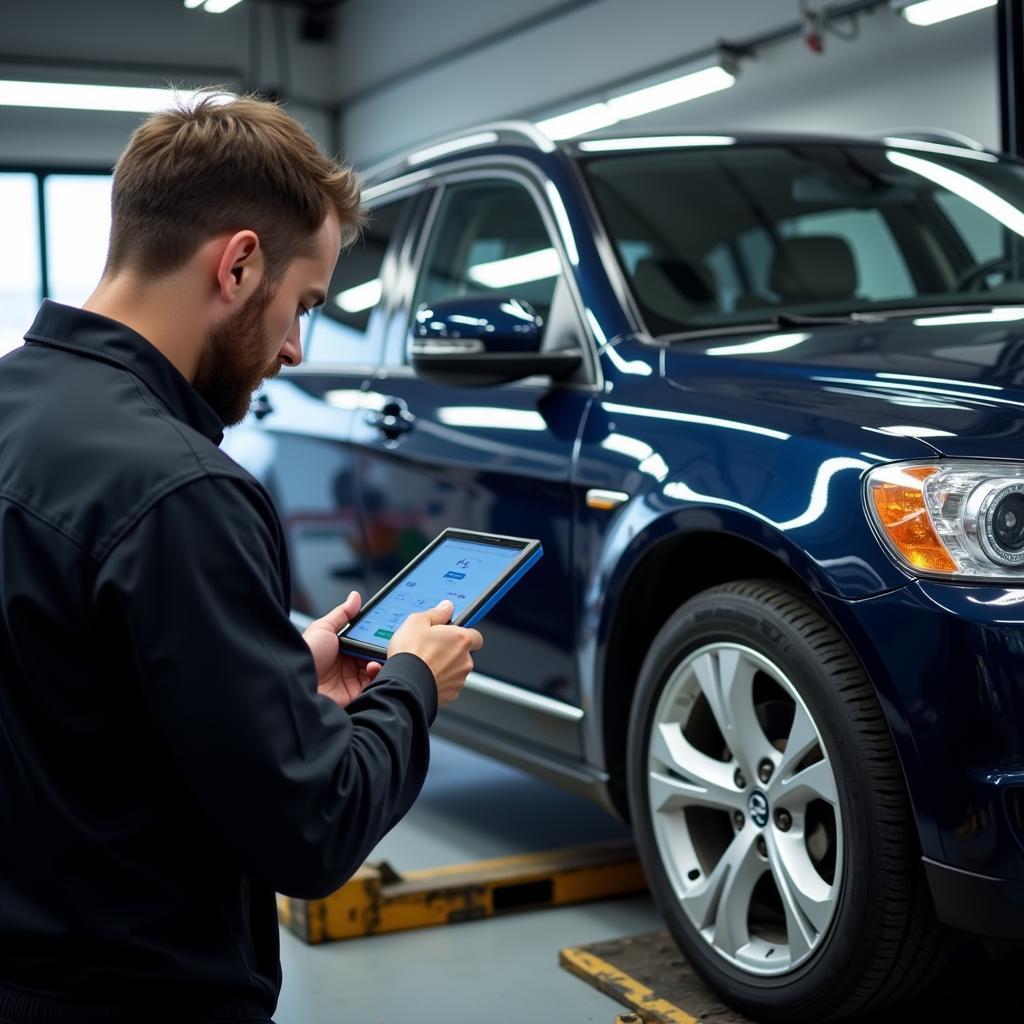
(291, 350)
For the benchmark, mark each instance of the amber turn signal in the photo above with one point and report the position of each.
(899, 506)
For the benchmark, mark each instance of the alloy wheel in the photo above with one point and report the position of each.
(745, 808)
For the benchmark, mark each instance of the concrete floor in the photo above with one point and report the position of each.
(503, 970)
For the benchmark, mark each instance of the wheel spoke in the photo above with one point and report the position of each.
(816, 782)
(705, 782)
(732, 930)
(721, 893)
(726, 678)
(802, 739)
(806, 897)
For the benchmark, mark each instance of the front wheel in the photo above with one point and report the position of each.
(771, 813)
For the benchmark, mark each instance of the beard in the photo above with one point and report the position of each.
(233, 364)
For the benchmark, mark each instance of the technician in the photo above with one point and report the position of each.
(172, 750)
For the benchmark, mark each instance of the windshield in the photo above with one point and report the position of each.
(736, 234)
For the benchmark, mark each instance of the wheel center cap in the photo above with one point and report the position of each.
(757, 806)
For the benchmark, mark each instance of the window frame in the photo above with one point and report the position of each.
(479, 170)
(41, 172)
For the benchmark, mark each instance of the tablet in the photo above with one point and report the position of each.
(472, 570)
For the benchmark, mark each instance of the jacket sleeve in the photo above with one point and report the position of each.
(296, 789)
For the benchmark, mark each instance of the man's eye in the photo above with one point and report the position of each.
(303, 311)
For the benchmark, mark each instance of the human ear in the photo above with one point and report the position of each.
(240, 267)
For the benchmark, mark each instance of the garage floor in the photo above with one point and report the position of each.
(505, 970)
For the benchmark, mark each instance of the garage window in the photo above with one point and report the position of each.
(77, 233)
(20, 275)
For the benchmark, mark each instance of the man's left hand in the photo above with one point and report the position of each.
(341, 677)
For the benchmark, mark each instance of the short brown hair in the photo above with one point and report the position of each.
(209, 167)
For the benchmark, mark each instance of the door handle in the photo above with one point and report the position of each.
(393, 419)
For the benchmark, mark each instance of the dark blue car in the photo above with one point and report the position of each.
(762, 400)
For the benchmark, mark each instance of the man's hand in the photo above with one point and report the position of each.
(341, 677)
(446, 650)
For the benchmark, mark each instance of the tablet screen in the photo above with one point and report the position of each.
(459, 570)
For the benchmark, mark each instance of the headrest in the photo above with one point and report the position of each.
(672, 287)
(814, 268)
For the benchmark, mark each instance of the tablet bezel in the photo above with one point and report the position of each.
(529, 551)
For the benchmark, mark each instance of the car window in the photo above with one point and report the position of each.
(340, 330)
(489, 239)
(733, 234)
(980, 232)
(880, 268)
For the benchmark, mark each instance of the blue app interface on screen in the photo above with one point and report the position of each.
(459, 570)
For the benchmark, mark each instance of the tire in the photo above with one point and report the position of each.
(745, 678)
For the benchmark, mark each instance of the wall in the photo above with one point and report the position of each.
(144, 42)
(893, 75)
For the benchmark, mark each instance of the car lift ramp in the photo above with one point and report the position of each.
(377, 899)
(648, 974)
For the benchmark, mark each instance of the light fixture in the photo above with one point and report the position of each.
(212, 6)
(668, 94)
(578, 122)
(603, 114)
(930, 12)
(68, 96)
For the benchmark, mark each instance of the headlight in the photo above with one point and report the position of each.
(952, 519)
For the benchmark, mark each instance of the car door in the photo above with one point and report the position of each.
(296, 440)
(495, 458)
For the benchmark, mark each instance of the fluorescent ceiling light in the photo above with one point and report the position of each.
(638, 102)
(192, 4)
(655, 142)
(360, 296)
(67, 96)
(967, 188)
(466, 142)
(930, 12)
(668, 94)
(578, 122)
(219, 6)
(530, 266)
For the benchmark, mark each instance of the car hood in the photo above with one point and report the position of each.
(958, 386)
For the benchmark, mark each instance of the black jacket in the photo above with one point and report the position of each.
(166, 764)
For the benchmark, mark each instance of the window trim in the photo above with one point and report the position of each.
(521, 172)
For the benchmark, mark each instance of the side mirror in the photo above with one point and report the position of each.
(478, 340)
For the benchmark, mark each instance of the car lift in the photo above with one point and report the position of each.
(648, 974)
(378, 900)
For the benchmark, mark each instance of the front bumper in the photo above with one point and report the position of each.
(948, 664)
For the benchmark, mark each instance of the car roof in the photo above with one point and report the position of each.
(486, 138)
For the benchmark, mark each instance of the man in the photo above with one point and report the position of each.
(166, 760)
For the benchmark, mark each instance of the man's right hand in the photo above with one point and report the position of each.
(445, 649)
